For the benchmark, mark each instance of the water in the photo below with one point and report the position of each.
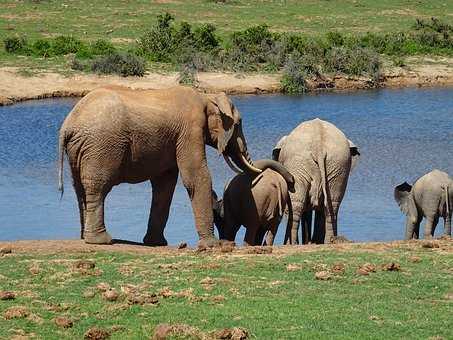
(402, 134)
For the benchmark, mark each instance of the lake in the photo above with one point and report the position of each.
(402, 134)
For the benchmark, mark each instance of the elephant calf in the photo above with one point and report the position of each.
(431, 196)
(257, 203)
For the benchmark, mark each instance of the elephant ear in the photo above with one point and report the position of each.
(402, 195)
(355, 154)
(278, 148)
(228, 117)
(217, 205)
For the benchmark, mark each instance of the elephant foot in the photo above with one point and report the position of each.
(102, 237)
(210, 242)
(155, 242)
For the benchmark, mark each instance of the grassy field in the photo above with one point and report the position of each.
(126, 19)
(269, 296)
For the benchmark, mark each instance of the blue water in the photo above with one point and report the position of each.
(402, 134)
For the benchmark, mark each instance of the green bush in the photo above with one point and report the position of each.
(102, 47)
(205, 38)
(66, 44)
(358, 61)
(15, 45)
(41, 48)
(123, 64)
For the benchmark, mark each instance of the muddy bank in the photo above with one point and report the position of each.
(78, 246)
(14, 87)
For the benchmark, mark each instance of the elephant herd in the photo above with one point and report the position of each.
(118, 135)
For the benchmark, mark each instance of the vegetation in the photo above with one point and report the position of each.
(400, 292)
(295, 38)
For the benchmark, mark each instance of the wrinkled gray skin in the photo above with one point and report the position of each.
(116, 135)
(256, 202)
(431, 197)
(321, 158)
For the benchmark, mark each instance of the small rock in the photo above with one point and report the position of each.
(16, 312)
(111, 295)
(34, 269)
(166, 292)
(95, 333)
(338, 268)
(84, 264)
(89, 293)
(415, 259)
(235, 333)
(218, 298)
(366, 269)
(292, 267)
(6, 295)
(362, 271)
(391, 267)
(430, 244)
(63, 322)
(182, 245)
(323, 275)
(103, 286)
(207, 281)
(5, 250)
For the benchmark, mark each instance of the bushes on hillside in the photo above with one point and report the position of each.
(123, 64)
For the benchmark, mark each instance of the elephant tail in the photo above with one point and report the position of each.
(61, 151)
(322, 169)
(447, 200)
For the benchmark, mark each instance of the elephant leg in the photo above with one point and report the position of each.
(306, 226)
(319, 231)
(250, 235)
(270, 236)
(81, 203)
(260, 236)
(163, 189)
(95, 231)
(430, 226)
(447, 225)
(330, 216)
(197, 180)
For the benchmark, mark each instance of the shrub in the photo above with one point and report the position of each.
(102, 47)
(158, 43)
(15, 44)
(358, 61)
(294, 76)
(66, 44)
(188, 74)
(124, 64)
(205, 38)
(42, 48)
(335, 38)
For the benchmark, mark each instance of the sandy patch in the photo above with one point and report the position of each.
(15, 87)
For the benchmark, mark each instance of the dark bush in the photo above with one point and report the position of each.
(335, 38)
(15, 44)
(123, 64)
(158, 43)
(205, 38)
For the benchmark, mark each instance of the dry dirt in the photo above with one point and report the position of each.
(15, 87)
(78, 246)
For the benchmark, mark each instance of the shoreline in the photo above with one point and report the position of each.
(15, 87)
(121, 246)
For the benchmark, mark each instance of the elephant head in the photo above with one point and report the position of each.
(225, 134)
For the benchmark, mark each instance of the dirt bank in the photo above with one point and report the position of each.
(78, 246)
(15, 87)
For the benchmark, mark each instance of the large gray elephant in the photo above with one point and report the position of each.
(321, 158)
(255, 202)
(431, 196)
(116, 135)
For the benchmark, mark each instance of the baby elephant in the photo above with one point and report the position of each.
(257, 203)
(430, 197)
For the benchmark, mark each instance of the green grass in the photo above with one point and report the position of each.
(260, 294)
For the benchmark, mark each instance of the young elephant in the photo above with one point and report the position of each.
(431, 196)
(257, 203)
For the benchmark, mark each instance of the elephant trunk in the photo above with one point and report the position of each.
(241, 158)
(278, 167)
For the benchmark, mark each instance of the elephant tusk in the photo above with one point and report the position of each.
(250, 166)
(231, 165)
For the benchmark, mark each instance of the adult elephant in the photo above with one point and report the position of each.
(116, 135)
(431, 196)
(321, 158)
